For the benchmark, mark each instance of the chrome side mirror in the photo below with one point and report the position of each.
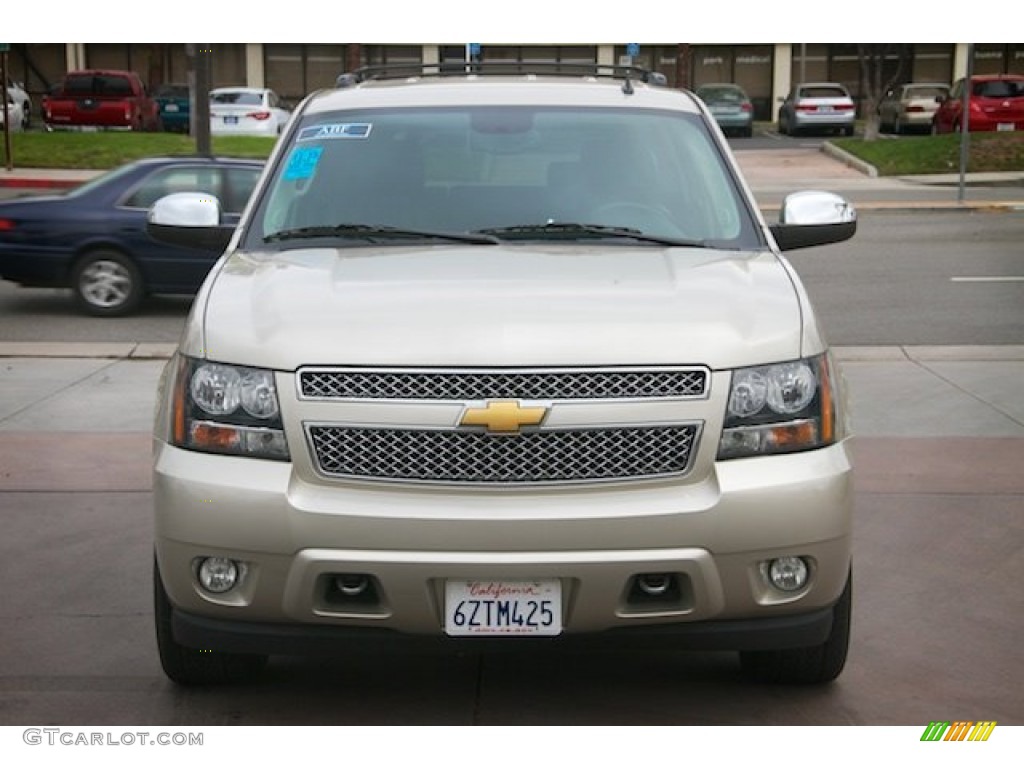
(190, 219)
(814, 218)
(186, 209)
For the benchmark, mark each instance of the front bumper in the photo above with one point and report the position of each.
(824, 119)
(730, 120)
(294, 536)
(772, 633)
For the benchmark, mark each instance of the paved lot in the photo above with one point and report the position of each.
(937, 620)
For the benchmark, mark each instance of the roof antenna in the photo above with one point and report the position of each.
(627, 85)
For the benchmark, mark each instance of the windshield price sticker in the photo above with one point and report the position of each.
(480, 608)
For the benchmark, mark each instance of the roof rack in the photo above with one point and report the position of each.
(458, 69)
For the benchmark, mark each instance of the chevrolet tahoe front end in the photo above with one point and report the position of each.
(510, 427)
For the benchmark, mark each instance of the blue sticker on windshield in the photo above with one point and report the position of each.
(302, 163)
(335, 131)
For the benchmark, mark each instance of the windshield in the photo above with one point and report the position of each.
(926, 91)
(488, 169)
(999, 89)
(720, 93)
(823, 92)
(236, 97)
(171, 92)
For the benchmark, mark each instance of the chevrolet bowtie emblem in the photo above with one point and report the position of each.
(507, 416)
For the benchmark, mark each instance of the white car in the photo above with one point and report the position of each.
(502, 358)
(15, 113)
(247, 111)
(911, 106)
(817, 107)
(21, 99)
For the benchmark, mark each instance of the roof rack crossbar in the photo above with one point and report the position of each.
(460, 69)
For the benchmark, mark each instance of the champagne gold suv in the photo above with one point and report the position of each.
(502, 357)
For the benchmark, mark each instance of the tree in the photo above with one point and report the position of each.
(882, 65)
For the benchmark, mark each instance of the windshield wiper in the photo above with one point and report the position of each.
(570, 230)
(376, 233)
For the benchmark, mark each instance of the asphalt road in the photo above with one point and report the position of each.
(921, 278)
(905, 278)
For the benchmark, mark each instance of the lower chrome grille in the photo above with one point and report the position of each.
(548, 456)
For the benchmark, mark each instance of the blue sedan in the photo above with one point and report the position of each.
(94, 241)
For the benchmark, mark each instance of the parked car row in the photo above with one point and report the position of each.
(996, 104)
(100, 99)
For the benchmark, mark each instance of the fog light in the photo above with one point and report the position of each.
(788, 573)
(352, 584)
(218, 574)
(654, 584)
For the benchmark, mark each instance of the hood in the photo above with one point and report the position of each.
(499, 306)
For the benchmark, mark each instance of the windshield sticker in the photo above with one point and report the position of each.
(336, 131)
(302, 163)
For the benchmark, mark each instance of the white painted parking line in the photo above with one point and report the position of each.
(997, 279)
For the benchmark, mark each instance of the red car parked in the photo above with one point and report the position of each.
(94, 99)
(996, 104)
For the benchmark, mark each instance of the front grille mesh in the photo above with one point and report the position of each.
(485, 384)
(530, 457)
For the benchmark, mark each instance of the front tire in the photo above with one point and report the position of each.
(806, 666)
(106, 283)
(191, 666)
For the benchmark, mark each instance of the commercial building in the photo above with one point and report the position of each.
(766, 71)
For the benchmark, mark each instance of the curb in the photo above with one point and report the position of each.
(847, 159)
(129, 350)
(23, 182)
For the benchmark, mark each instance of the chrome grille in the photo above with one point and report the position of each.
(548, 456)
(535, 384)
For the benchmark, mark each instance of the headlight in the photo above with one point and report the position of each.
(227, 409)
(779, 409)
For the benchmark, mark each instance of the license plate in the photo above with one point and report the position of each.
(170, 108)
(1005, 126)
(231, 120)
(487, 608)
(825, 109)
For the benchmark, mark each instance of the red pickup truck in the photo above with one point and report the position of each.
(99, 99)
